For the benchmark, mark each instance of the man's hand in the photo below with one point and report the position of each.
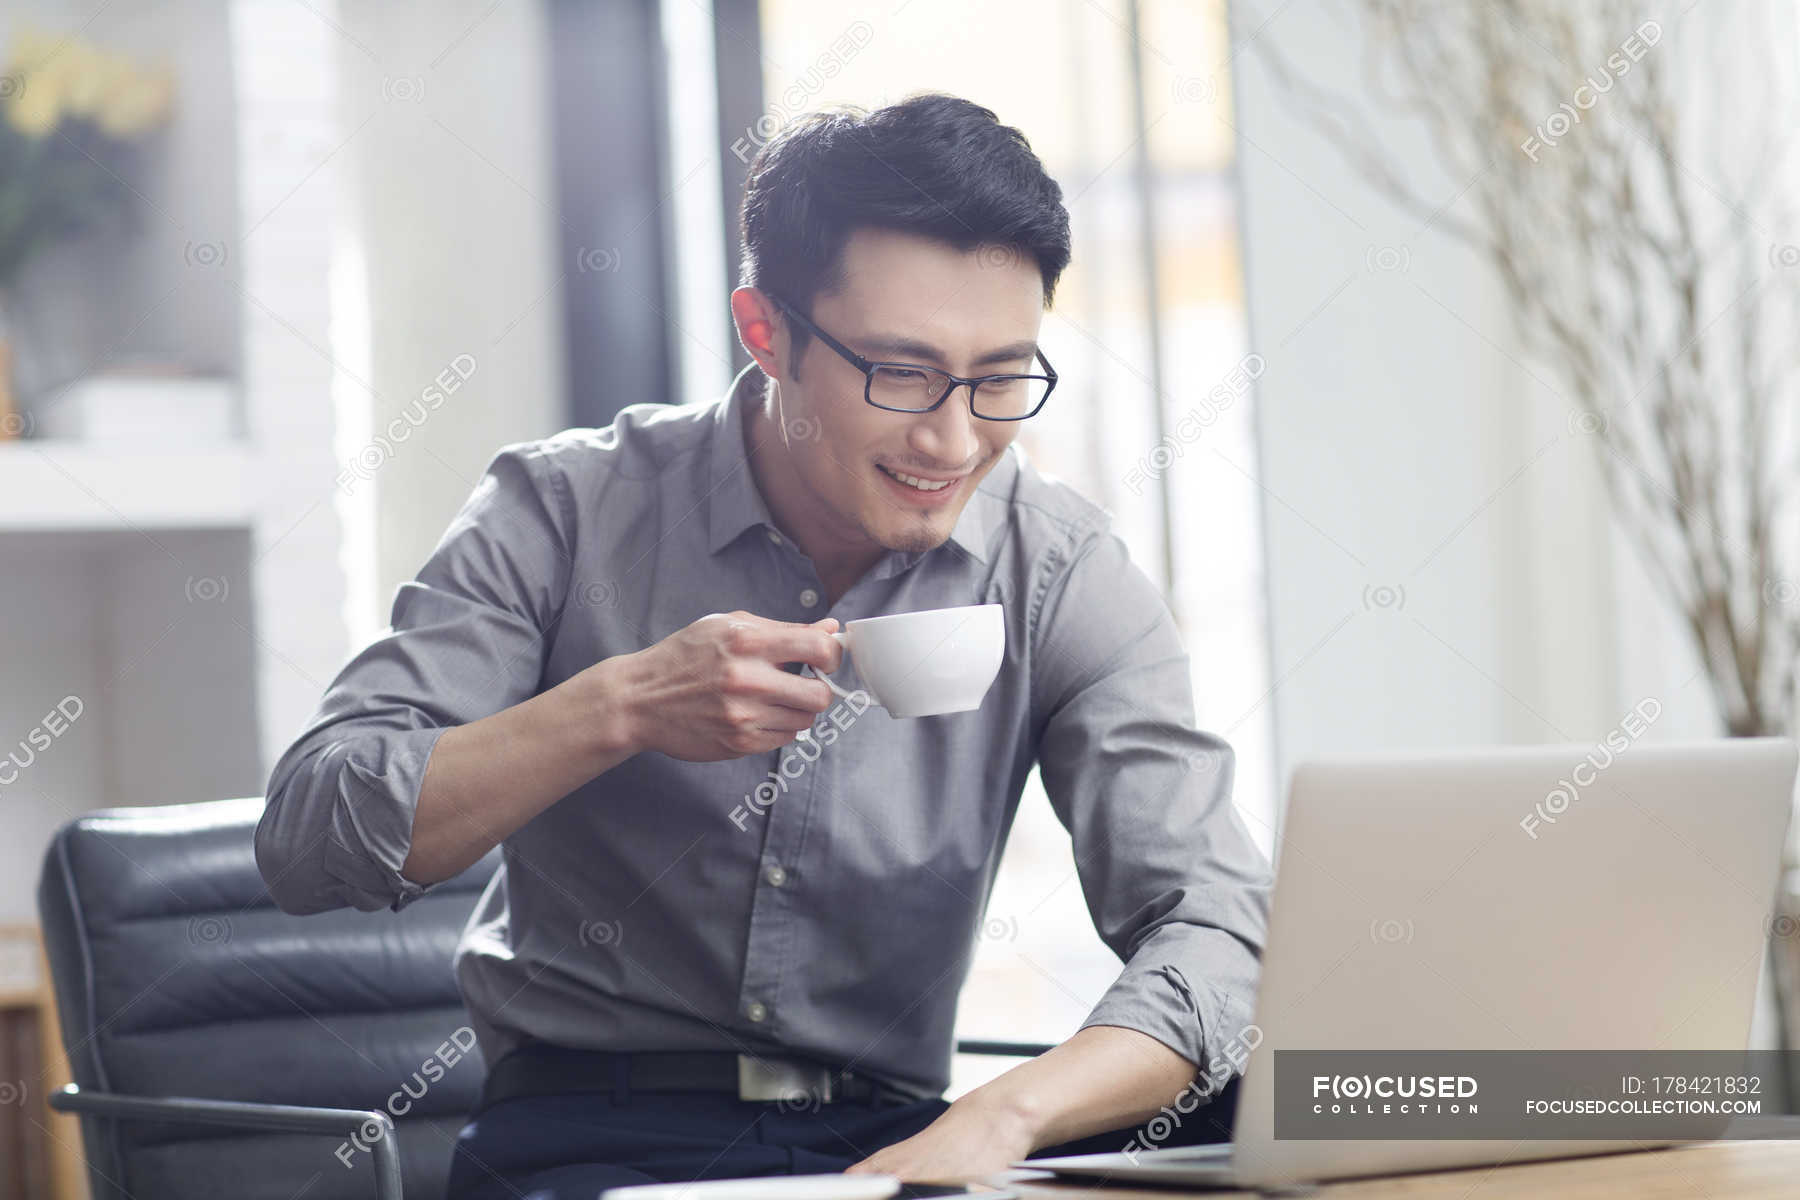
(715, 689)
(1102, 1078)
(971, 1141)
(711, 691)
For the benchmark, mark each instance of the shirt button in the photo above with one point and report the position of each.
(809, 597)
(776, 875)
(775, 537)
(757, 1011)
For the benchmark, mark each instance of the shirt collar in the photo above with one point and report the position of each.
(734, 504)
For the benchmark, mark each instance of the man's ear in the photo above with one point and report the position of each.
(754, 315)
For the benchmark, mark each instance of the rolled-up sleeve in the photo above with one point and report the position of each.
(466, 640)
(1174, 884)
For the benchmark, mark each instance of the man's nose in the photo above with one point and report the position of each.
(948, 435)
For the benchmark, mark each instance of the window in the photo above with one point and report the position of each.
(1061, 70)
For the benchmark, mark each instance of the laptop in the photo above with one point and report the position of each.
(1488, 900)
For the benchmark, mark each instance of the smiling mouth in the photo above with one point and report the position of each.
(919, 484)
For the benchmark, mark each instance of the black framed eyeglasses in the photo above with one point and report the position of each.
(914, 388)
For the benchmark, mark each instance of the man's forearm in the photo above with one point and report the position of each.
(1104, 1077)
(488, 778)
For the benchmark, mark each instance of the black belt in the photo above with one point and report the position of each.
(542, 1068)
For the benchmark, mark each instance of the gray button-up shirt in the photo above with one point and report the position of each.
(824, 898)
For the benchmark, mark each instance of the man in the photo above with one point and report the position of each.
(719, 948)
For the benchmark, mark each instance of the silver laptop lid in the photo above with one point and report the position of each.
(1614, 896)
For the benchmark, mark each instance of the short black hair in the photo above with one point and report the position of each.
(932, 164)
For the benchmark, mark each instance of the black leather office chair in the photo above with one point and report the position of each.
(205, 1027)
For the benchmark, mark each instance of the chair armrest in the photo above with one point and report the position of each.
(295, 1118)
(1002, 1049)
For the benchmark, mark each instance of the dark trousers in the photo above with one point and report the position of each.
(575, 1144)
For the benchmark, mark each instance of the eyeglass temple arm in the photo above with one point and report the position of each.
(805, 322)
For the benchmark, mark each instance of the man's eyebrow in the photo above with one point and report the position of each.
(912, 350)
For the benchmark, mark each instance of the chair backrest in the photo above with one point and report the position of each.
(176, 975)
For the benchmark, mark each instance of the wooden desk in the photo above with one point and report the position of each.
(1756, 1169)
(40, 1143)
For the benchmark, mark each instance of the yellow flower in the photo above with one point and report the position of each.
(36, 105)
(30, 46)
(73, 77)
(85, 76)
(137, 101)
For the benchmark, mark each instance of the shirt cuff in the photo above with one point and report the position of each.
(371, 824)
(1159, 1001)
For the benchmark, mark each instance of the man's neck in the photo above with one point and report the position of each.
(839, 566)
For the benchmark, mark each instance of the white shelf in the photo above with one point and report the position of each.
(71, 486)
(185, 587)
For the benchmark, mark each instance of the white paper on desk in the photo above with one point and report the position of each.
(777, 1187)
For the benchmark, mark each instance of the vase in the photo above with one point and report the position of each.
(17, 365)
(12, 418)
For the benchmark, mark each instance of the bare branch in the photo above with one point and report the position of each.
(1638, 279)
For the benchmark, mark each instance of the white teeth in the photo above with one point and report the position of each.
(924, 485)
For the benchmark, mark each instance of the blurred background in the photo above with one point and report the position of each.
(1436, 363)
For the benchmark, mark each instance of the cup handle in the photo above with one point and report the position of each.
(844, 641)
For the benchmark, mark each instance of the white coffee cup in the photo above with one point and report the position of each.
(919, 664)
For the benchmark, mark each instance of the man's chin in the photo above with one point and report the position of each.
(915, 538)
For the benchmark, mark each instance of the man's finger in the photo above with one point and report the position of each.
(785, 642)
(786, 689)
(790, 721)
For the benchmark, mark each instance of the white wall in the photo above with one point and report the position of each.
(455, 215)
(1439, 570)
(185, 637)
(158, 670)
(446, 197)
(1404, 444)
